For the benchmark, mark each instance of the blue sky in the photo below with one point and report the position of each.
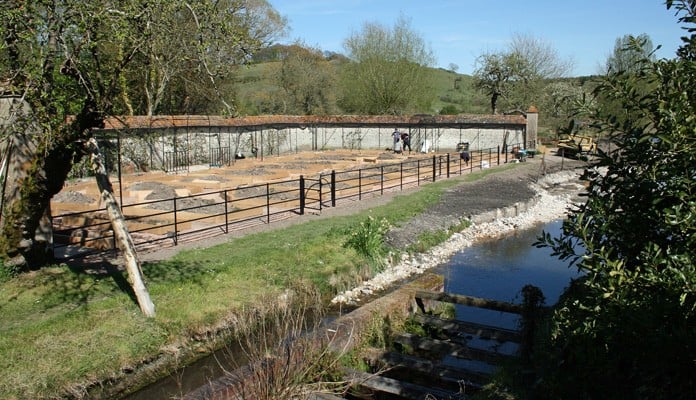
(460, 30)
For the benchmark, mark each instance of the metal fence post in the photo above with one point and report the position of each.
(268, 203)
(448, 165)
(498, 154)
(360, 184)
(176, 228)
(321, 185)
(381, 180)
(227, 222)
(333, 188)
(401, 176)
(302, 195)
(434, 167)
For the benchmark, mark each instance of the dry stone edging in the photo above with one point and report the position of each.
(545, 206)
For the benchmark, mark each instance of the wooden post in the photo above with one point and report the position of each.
(121, 234)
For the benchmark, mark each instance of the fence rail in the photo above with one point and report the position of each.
(165, 222)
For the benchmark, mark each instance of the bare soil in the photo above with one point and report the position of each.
(496, 190)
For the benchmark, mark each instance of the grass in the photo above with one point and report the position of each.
(63, 329)
(430, 239)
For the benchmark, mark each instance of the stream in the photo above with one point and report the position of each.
(498, 270)
(495, 269)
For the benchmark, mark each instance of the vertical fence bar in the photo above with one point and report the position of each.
(302, 195)
(227, 221)
(490, 157)
(448, 165)
(401, 176)
(268, 203)
(176, 228)
(434, 167)
(505, 149)
(360, 184)
(498, 154)
(333, 188)
(381, 180)
(321, 183)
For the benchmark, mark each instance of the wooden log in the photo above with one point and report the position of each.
(403, 389)
(482, 331)
(470, 301)
(457, 350)
(121, 234)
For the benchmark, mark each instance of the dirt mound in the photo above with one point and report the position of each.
(73, 197)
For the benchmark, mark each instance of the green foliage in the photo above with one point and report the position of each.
(629, 326)
(429, 239)
(630, 52)
(387, 71)
(75, 63)
(307, 82)
(449, 109)
(258, 90)
(368, 237)
(516, 77)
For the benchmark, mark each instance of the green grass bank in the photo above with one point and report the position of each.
(65, 331)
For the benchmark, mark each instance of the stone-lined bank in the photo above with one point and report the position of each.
(554, 194)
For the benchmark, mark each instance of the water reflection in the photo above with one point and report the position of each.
(499, 269)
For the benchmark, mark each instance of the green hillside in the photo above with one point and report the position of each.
(256, 87)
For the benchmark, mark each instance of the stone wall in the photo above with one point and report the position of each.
(202, 145)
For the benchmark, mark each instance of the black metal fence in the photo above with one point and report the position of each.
(176, 161)
(165, 222)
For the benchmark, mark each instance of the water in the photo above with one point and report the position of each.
(495, 270)
(499, 269)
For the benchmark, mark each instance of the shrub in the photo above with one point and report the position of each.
(368, 238)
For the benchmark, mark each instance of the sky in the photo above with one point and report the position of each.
(458, 31)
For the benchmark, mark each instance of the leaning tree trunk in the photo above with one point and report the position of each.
(121, 234)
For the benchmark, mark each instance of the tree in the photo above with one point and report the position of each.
(518, 74)
(562, 100)
(386, 73)
(495, 74)
(67, 60)
(307, 81)
(169, 67)
(540, 64)
(629, 52)
(629, 325)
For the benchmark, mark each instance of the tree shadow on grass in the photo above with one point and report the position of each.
(87, 283)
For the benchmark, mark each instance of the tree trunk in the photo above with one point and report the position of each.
(121, 234)
(26, 193)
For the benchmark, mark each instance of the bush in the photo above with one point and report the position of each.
(368, 238)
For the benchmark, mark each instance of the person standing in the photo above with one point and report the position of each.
(406, 140)
(465, 156)
(397, 136)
